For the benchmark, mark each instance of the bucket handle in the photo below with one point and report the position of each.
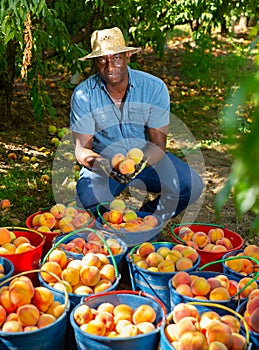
(234, 258)
(83, 230)
(132, 292)
(40, 270)
(17, 228)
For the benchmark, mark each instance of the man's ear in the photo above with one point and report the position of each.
(127, 56)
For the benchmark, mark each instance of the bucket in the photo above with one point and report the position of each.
(49, 337)
(236, 240)
(130, 238)
(76, 298)
(49, 236)
(68, 238)
(230, 271)
(30, 259)
(254, 336)
(154, 283)
(148, 341)
(177, 298)
(220, 309)
(8, 269)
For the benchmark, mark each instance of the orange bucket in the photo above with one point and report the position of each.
(49, 236)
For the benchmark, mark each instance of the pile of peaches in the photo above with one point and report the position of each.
(245, 266)
(208, 331)
(115, 321)
(60, 219)
(10, 244)
(213, 241)
(120, 217)
(217, 288)
(251, 313)
(93, 244)
(129, 163)
(24, 307)
(164, 259)
(92, 274)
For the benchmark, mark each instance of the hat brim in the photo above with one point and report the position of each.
(110, 51)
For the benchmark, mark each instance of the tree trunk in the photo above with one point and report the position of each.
(7, 82)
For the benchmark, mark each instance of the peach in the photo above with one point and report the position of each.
(117, 204)
(219, 331)
(114, 246)
(232, 289)
(66, 220)
(254, 293)
(185, 233)
(144, 313)
(81, 219)
(235, 265)
(5, 203)
(252, 250)
(136, 154)
(47, 219)
(127, 166)
(43, 228)
(106, 318)
(186, 324)
(226, 242)
(123, 312)
(6, 302)
(79, 243)
(252, 304)
(64, 285)
(5, 236)
(91, 259)
(21, 291)
(224, 281)
(92, 247)
(190, 253)
(30, 328)
(200, 286)
(171, 331)
(103, 259)
(115, 216)
(45, 320)
(12, 326)
(164, 251)
(247, 267)
(217, 345)
(244, 282)
(129, 215)
(166, 266)
(35, 220)
(184, 289)
(181, 277)
(108, 272)
(219, 248)
(154, 259)
(145, 249)
(19, 240)
(28, 315)
(2, 315)
(82, 289)
(42, 298)
(208, 247)
(102, 285)
(142, 264)
(116, 159)
(95, 327)
(53, 267)
(52, 307)
(145, 327)
(75, 264)
(150, 220)
(58, 256)
(58, 210)
(219, 293)
(192, 340)
(232, 322)
(120, 324)
(130, 330)
(215, 233)
(201, 239)
(90, 275)
(183, 264)
(179, 248)
(213, 282)
(70, 275)
(72, 212)
(106, 306)
(173, 256)
(24, 247)
(255, 320)
(182, 310)
(193, 245)
(239, 342)
(83, 314)
(10, 247)
(207, 317)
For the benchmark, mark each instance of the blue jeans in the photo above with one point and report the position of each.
(176, 184)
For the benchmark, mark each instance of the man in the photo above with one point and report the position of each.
(119, 108)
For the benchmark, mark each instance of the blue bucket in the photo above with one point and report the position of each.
(254, 336)
(50, 337)
(148, 341)
(229, 271)
(68, 238)
(154, 283)
(177, 298)
(8, 269)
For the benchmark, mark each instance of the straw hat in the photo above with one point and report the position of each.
(108, 42)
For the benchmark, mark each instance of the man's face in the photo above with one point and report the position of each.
(112, 68)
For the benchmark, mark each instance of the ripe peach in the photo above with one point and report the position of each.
(136, 154)
(116, 159)
(24, 247)
(43, 228)
(154, 259)
(95, 327)
(226, 242)
(47, 219)
(144, 313)
(184, 289)
(181, 277)
(142, 264)
(219, 331)
(129, 214)
(200, 286)
(108, 272)
(185, 233)
(145, 327)
(106, 318)
(254, 293)
(166, 266)
(214, 282)
(207, 317)
(219, 293)
(115, 216)
(6, 302)
(83, 314)
(182, 310)
(145, 249)
(239, 342)
(62, 286)
(72, 212)
(91, 259)
(255, 320)
(52, 267)
(252, 250)
(215, 233)
(19, 240)
(224, 281)
(30, 328)
(35, 220)
(252, 304)
(21, 291)
(28, 315)
(244, 282)
(183, 264)
(42, 298)
(52, 307)
(82, 289)
(201, 239)
(58, 256)
(232, 289)
(150, 220)
(103, 259)
(219, 248)
(10, 247)
(126, 166)
(247, 267)
(45, 320)
(232, 322)
(120, 324)
(192, 340)
(5, 236)
(190, 253)
(58, 210)
(90, 275)
(235, 265)
(171, 331)
(70, 275)
(217, 345)
(79, 243)
(106, 306)
(12, 326)
(123, 312)
(173, 256)
(186, 324)
(102, 285)
(81, 219)
(208, 247)
(130, 330)
(75, 264)
(2, 315)
(114, 246)
(92, 247)
(164, 251)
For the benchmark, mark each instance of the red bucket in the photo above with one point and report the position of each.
(49, 236)
(30, 259)
(208, 256)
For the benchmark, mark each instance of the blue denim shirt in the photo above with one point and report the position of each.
(147, 105)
